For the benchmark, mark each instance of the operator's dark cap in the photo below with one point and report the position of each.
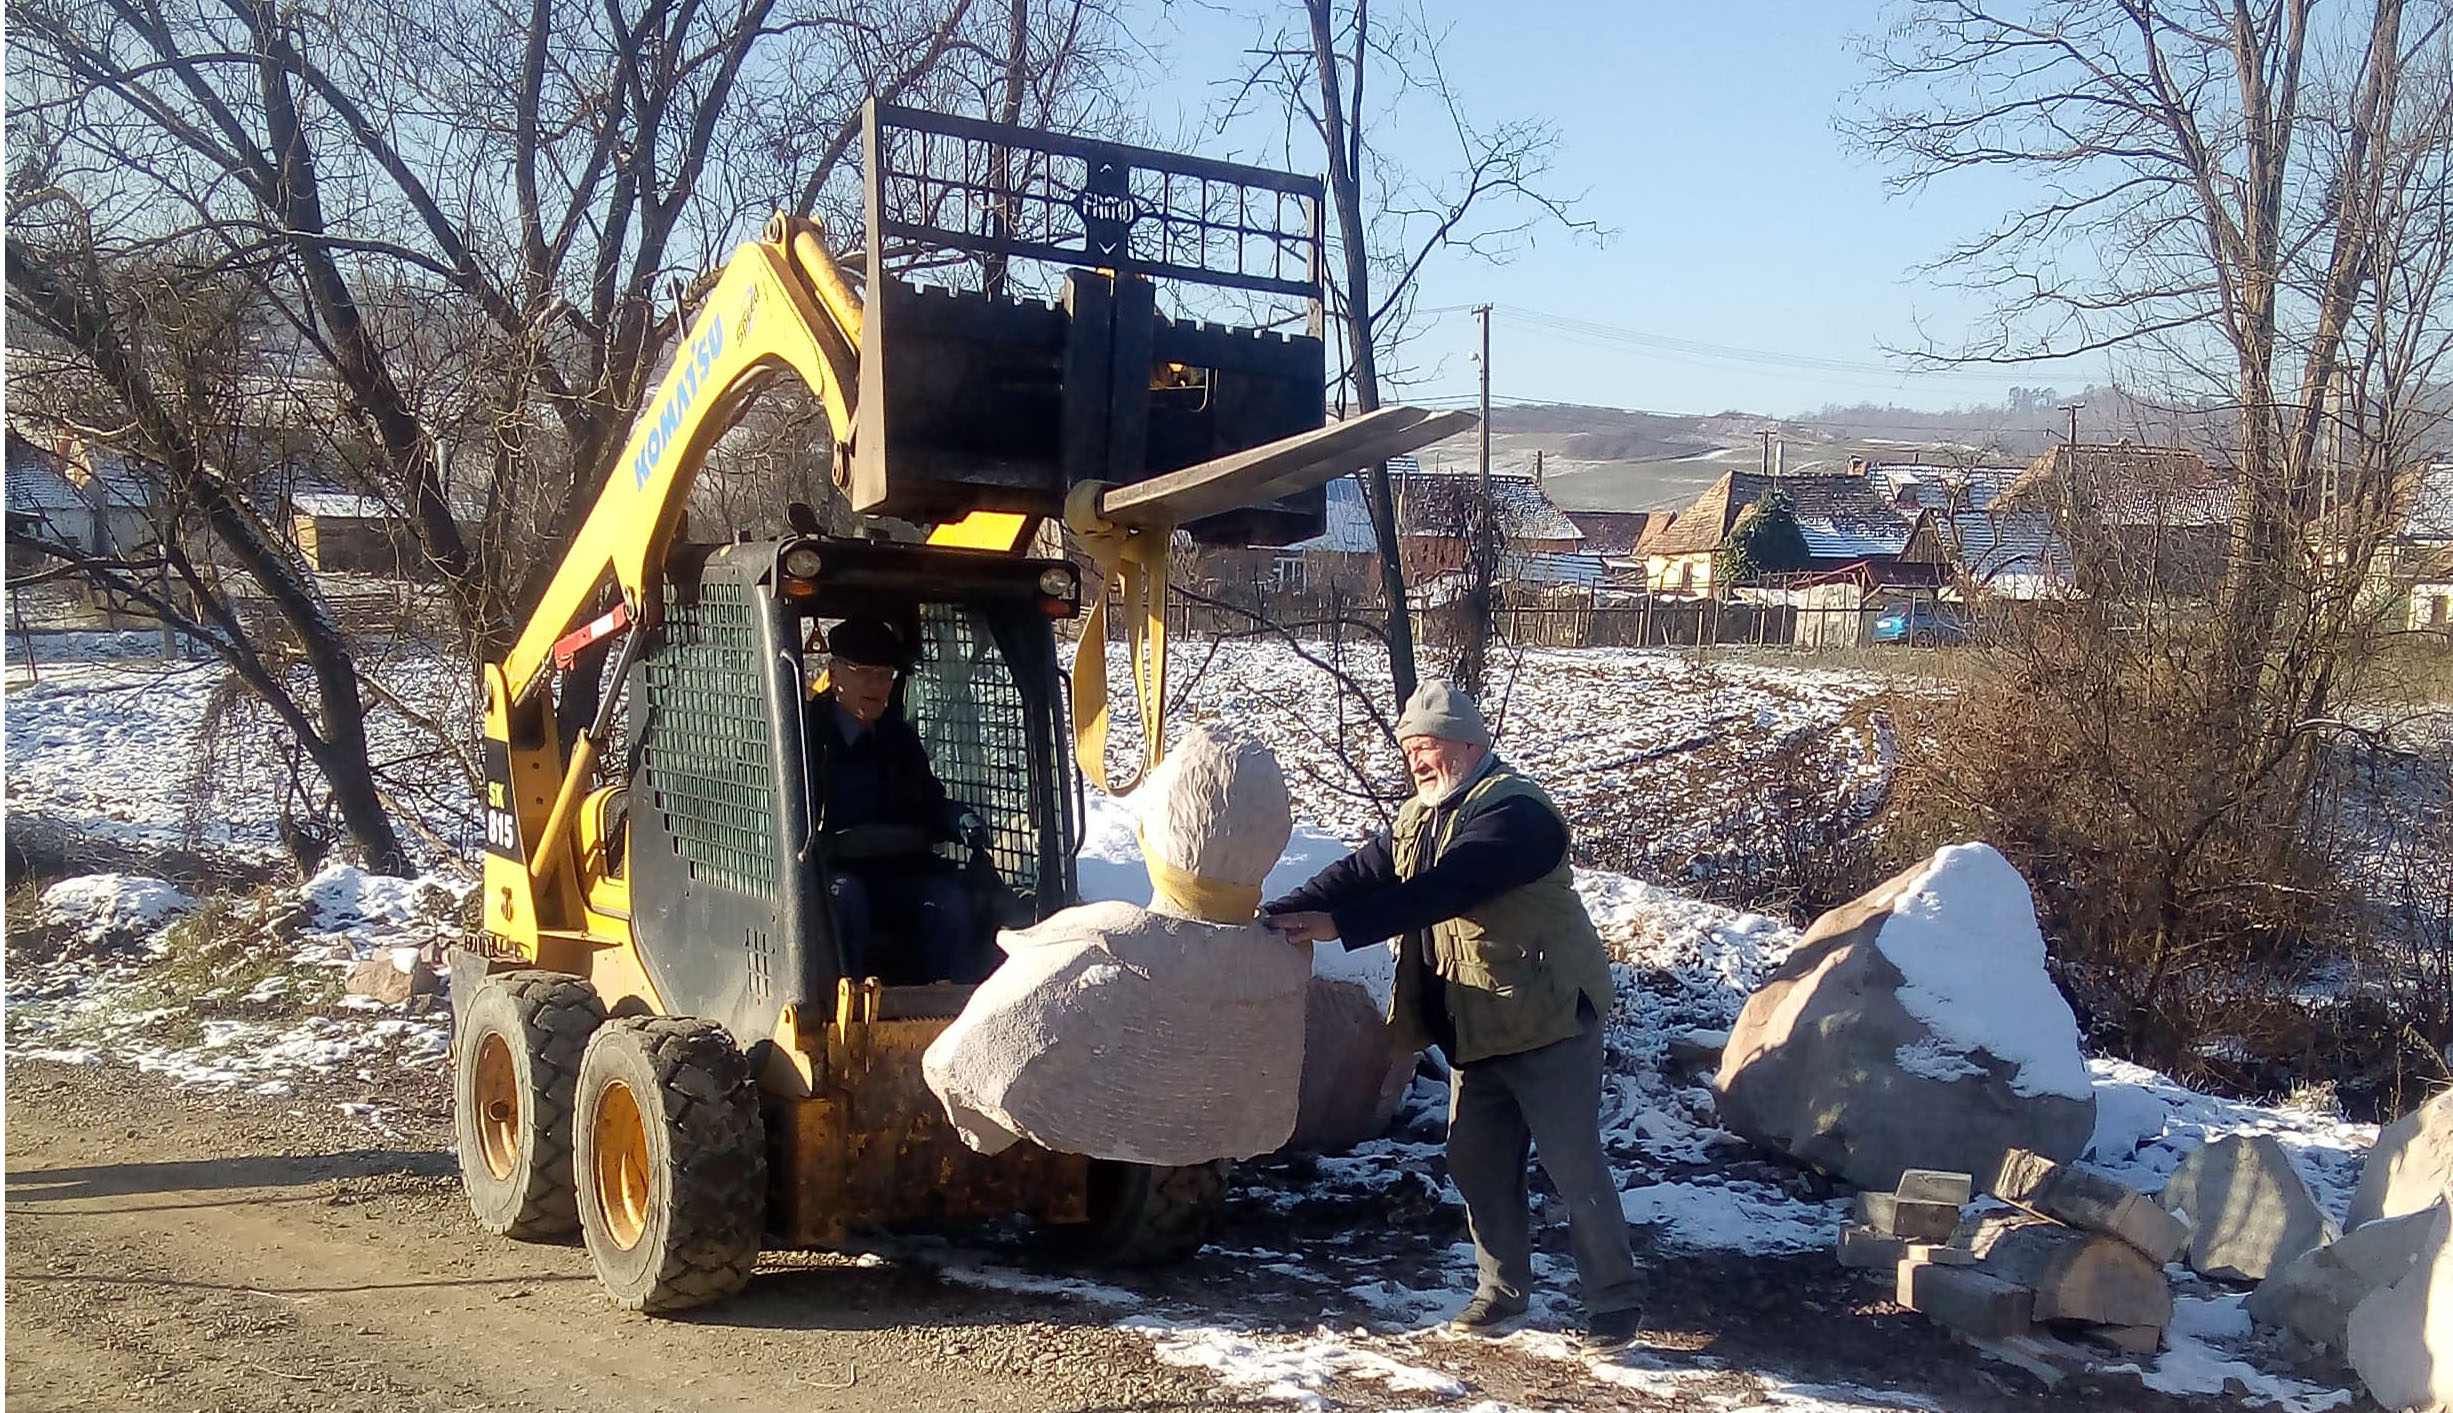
(871, 642)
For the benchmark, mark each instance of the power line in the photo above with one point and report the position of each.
(1586, 329)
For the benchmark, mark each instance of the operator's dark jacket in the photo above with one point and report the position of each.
(882, 778)
(1497, 951)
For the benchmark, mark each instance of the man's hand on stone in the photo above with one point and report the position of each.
(1303, 929)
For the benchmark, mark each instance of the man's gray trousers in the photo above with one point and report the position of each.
(1546, 1101)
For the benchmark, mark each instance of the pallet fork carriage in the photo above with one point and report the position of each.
(660, 1044)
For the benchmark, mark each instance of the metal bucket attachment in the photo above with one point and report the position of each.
(975, 395)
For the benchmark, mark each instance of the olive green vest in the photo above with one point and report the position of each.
(1514, 966)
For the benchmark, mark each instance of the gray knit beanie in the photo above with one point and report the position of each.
(1443, 709)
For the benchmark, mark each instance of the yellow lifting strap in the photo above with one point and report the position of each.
(1140, 556)
(1209, 899)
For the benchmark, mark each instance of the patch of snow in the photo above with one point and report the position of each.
(2146, 1123)
(2190, 1365)
(344, 896)
(100, 906)
(1291, 1369)
(1754, 1218)
(1963, 935)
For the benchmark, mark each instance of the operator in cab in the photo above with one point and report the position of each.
(902, 913)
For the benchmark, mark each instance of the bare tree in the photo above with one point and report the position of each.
(2245, 201)
(463, 235)
(1389, 224)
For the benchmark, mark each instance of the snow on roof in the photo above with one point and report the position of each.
(2125, 484)
(1915, 486)
(1841, 516)
(2431, 504)
(340, 505)
(1425, 503)
(37, 487)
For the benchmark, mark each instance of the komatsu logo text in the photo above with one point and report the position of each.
(688, 375)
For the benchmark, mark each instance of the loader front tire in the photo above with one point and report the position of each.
(515, 1075)
(1146, 1216)
(672, 1163)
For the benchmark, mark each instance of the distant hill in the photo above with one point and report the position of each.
(1606, 458)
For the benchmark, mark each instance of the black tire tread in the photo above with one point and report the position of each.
(558, 1015)
(717, 1161)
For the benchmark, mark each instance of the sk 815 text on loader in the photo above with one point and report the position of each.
(660, 1044)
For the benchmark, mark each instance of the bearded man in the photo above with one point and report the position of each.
(1499, 966)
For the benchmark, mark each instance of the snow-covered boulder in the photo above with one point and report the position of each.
(1913, 1028)
(2314, 1296)
(2411, 1166)
(1169, 1035)
(2401, 1337)
(1353, 1080)
(2249, 1210)
(110, 907)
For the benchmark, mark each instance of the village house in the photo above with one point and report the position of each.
(1844, 518)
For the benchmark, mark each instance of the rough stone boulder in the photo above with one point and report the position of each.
(2401, 1337)
(1913, 1028)
(2314, 1296)
(1171, 1035)
(2411, 1167)
(2250, 1212)
(1353, 1080)
(393, 977)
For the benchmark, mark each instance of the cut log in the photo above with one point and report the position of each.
(2090, 1202)
(2076, 1275)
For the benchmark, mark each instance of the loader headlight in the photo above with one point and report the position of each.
(1058, 584)
(802, 561)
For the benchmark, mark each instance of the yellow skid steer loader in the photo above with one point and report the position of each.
(660, 1043)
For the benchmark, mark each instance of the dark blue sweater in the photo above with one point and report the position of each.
(1503, 848)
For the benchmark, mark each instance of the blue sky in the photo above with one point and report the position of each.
(1701, 135)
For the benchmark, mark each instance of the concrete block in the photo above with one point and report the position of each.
(1896, 1216)
(1932, 1255)
(1864, 1249)
(2090, 1202)
(1930, 1185)
(2314, 1296)
(1967, 1300)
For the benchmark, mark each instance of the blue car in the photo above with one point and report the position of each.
(1923, 625)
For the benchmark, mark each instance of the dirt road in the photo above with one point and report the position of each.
(167, 1252)
(217, 1253)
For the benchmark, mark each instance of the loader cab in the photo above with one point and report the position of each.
(725, 857)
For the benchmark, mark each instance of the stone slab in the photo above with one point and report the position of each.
(1898, 1216)
(1933, 1185)
(1862, 1248)
(2090, 1202)
(1966, 1299)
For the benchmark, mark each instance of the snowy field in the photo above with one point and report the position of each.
(1626, 733)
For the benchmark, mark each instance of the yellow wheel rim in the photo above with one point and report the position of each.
(498, 1106)
(621, 1166)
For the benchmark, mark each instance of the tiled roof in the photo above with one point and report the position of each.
(1842, 517)
(1616, 531)
(2127, 485)
(1912, 487)
(1424, 500)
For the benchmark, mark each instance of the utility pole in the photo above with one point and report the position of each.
(2072, 409)
(1483, 477)
(1766, 434)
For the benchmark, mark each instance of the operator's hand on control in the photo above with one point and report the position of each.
(971, 830)
(1302, 929)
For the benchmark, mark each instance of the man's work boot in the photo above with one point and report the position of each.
(1613, 1330)
(1488, 1314)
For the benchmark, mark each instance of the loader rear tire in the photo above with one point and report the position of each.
(1146, 1216)
(672, 1163)
(515, 1074)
